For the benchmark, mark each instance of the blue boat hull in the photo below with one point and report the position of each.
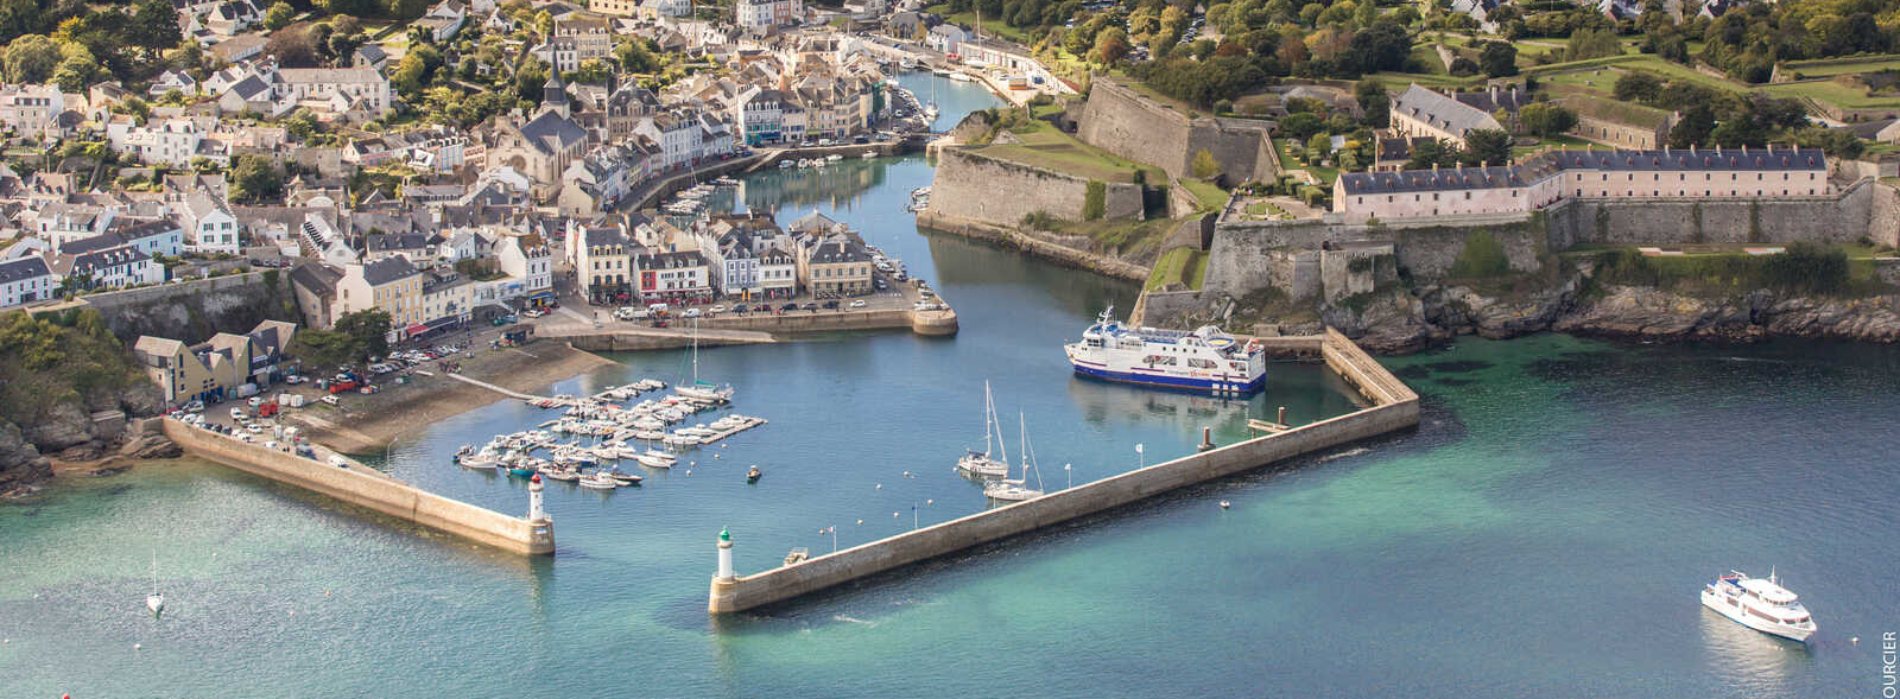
(1183, 383)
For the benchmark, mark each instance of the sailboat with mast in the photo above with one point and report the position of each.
(702, 390)
(981, 463)
(1017, 490)
(155, 601)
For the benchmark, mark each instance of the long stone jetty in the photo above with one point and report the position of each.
(1392, 407)
(358, 485)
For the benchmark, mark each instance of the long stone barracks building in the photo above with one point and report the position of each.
(1547, 178)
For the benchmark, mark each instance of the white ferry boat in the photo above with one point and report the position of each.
(1762, 605)
(1203, 360)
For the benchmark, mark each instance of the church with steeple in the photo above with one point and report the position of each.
(543, 146)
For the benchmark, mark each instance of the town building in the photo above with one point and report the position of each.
(26, 280)
(1422, 112)
(1550, 177)
(215, 369)
(391, 285)
(674, 277)
(835, 265)
(209, 226)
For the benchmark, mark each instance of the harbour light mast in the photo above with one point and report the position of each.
(725, 555)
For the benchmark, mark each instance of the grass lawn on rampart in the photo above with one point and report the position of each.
(1046, 147)
(1211, 196)
(1185, 265)
(1827, 67)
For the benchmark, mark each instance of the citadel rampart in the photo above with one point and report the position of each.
(1121, 121)
(973, 186)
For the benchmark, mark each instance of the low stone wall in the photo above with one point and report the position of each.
(1394, 408)
(1010, 237)
(376, 492)
(973, 185)
(1121, 121)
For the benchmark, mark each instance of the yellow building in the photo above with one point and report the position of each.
(390, 284)
(213, 370)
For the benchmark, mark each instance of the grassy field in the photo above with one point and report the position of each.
(1827, 67)
(1599, 76)
(1185, 266)
(1212, 198)
(1045, 147)
(1558, 141)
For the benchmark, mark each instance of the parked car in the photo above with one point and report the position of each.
(691, 313)
(831, 305)
(721, 308)
(534, 313)
(811, 307)
(789, 307)
(858, 303)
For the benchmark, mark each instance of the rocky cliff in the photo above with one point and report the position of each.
(1398, 321)
(67, 388)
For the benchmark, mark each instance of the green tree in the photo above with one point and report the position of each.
(369, 328)
(278, 16)
(1498, 59)
(1428, 153)
(590, 72)
(1591, 42)
(1638, 86)
(635, 56)
(1486, 147)
(255, 179)
(1205, 166)
(1374, 102)
(1111, 45)
(1546, 119)
(407, 9)
(77, 68)
(325, 348)
(30, 59)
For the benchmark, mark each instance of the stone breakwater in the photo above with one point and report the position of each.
(358, 485)
(1392, 407)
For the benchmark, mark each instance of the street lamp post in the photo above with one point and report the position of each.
(1068, 473)
(1141, 456)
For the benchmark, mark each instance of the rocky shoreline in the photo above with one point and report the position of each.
(23, 468)
(1400, 322)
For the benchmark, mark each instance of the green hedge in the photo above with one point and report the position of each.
(1095, 202)
(1482, 257)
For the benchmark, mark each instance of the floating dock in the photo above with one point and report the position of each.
(1393, 407)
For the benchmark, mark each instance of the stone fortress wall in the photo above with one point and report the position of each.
(1292, 256)
(1121, 121)
(972, 186)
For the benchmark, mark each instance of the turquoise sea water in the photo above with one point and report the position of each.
(1543, 533)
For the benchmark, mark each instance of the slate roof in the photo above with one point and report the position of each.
(387, 270)
(1546, 164)
(1441, 112)
(23, 269)
(553, 133)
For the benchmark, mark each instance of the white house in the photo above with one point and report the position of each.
(26, 280)
(31, 110)
(210, 228)
(527, 258)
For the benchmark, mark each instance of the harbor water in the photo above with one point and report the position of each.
(1544, 532)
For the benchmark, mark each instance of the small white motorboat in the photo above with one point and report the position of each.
(599, 480)
(651, 460)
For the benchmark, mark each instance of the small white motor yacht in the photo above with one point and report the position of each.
(599, 480)
(1762, 605)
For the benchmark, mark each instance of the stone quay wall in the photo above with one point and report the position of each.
(355, 486)
(1394, 407)
(978, 187)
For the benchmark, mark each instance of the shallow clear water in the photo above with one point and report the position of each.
(1544, 532)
